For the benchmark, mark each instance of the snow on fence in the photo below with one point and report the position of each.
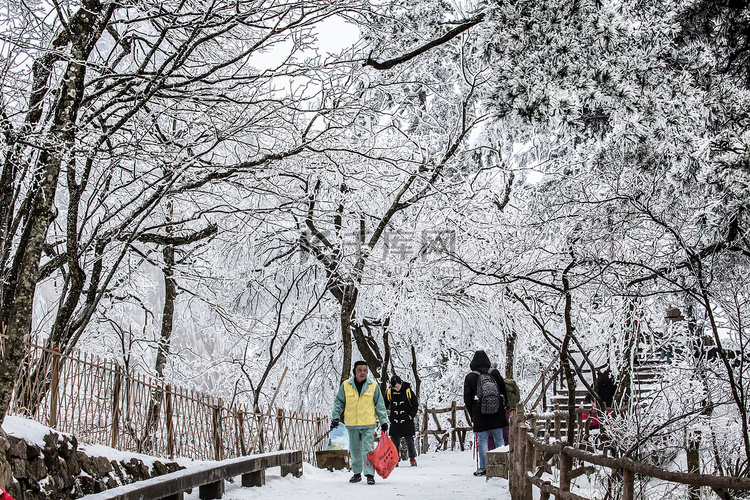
(100, 401)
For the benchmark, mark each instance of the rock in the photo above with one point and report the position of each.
(159, 469)
(173, 467)
(87, 485)
(17, 447)
(4, 443)
(19, 468)
(136, 469)
(37, 469)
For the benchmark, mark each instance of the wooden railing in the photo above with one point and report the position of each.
(454, 429)
(100, 401)
(209, 479)
(532, 456)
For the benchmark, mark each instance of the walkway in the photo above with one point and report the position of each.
(443, 475)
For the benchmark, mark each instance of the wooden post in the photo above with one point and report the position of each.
(280, 425)
(116, 406)
(511, 452)
(425, 437)
(558, 424)
(218, 444)
(169, 420)
(211, 490)
(54, 387)
(240, 419)
(628, 480)
(255, 478)
(524, 485)
(454, 423)
(565, 469)
(529, 465)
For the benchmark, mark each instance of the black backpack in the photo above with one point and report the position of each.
(488, 393)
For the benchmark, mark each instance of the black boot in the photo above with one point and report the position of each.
(370, 479)
(356, 478)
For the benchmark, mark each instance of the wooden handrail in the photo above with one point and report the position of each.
(208, 477)
(541, 379)
(525, 444)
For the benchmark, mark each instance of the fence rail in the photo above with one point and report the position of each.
(530, 457)
(455, 428)
(101, 401)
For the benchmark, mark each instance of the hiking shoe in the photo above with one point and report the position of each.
(356, 478)
(413, 462)
(480, 472)
(370, 479)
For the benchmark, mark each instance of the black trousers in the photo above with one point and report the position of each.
(409, 444)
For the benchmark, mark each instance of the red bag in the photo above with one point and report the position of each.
(384, 457)
(594, 419)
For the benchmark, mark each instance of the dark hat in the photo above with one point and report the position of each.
(395, 380)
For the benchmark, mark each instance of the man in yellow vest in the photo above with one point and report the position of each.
(361, 402)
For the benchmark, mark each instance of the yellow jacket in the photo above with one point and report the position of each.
(360, 408)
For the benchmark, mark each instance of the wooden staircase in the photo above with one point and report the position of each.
(645, 379)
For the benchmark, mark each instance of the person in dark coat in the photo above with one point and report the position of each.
(605, 388)
(402, 403)
(484, 424)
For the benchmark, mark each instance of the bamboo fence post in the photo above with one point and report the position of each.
(565, 465)
(240, 416)
(218, 445)
(454, 423)
(54, 387)
(628, 480)
(280, 424)
(116, 390)
(169, 420)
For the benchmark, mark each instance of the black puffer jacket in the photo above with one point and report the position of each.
(402, 406)
(481, 363)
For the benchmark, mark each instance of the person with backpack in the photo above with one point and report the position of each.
(402, 404)
(485, 398)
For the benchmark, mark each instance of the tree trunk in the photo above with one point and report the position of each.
(510, 353)
(570, 378)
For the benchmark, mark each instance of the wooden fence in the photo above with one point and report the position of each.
(100, 401)
(456, 428)
(531, 457)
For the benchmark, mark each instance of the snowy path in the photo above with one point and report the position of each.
(441, 475)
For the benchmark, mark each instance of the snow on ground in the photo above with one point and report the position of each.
(444, 475)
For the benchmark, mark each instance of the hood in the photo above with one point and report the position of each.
(480, 362)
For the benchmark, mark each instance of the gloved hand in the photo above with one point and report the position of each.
(334, 423)
(384, 427)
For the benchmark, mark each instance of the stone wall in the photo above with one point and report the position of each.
(59, 471)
